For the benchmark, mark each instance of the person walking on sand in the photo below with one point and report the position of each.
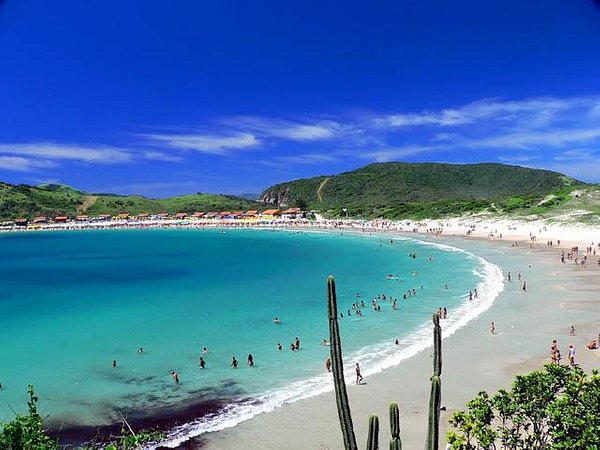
(571, 355)
(359, 376)
(524, 286)
(328, 364)
(572, 332)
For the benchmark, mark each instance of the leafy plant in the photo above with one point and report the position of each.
(552, 409)
(26, 431)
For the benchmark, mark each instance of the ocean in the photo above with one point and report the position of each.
(73, 302)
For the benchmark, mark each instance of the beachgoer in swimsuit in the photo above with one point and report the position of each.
(250, 360)
(328, 364)
(359, 377)
(279, 347)
(234, 363)
(175, 376)
(202, 363)
(114, 363)
(571, 355)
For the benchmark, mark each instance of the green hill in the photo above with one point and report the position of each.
(416, 190)
(55, 200)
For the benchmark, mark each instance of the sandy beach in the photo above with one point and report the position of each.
(559, 295)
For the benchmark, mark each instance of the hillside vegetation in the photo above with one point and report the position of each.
(53, 200)
(416, 190)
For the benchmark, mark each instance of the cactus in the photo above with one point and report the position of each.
(373, 439)
(437, 346)
(341, 396)
(337, 367)
(395, 442)
(433, 429)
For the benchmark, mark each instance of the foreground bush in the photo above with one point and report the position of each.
(557, 408)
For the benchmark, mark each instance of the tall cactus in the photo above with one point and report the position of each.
(395, 442)
(341, 396)
(337, 367)
(373, 439)
(435, 398)
(433, 431)
(437, 346)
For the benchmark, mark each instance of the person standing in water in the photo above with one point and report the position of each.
(328, 364)
(359, 376)
(202, 363)
(234, 362)
(175, 376)
(492, 328)
(250, 360)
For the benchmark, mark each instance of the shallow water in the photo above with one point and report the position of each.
(72, 302)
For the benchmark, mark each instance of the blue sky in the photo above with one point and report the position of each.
(163, 98)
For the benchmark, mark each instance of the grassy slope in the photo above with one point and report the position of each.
(52, 200)
(398, 190)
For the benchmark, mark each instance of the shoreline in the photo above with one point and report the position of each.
(422, 232)
(315, 406)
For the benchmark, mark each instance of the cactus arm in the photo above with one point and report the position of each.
(395, 443)
(373, 439)
(437, 346)
(337, 367)
(433, 430)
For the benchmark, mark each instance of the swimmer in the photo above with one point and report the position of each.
(324, 342)
(279, 347)
(234, 363)
(202, 363)
(175, 376)
(114, 363)
(250, 360)
(297, 344)
(141, 350)
(277, 320)
(205, 350)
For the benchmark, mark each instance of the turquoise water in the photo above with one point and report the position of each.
(72, 302)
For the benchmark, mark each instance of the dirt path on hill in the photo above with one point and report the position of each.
(321, 187)
(88, 202)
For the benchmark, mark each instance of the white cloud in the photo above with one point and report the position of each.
(20, 164)
(306, 158)
(205, 143)
(56, 151)
(290, 130)
(160, 156)
(575, 155)
(536, 112)
(555, 138)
